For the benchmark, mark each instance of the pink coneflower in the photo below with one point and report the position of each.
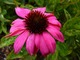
(38, 29)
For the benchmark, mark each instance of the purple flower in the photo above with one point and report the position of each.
(38, 29)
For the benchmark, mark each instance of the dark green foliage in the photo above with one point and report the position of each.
(66, 11)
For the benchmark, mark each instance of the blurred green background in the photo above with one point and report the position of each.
(66, 11)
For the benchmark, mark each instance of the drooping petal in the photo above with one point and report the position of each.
(19, 42)
(30, 44)
(43, 47)
(41, 9)
(54, 21)
(50, 42)
(17, 32)
(56, 34)
(37, 40)
(22, 12)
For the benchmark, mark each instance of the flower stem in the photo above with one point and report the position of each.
(39, 56)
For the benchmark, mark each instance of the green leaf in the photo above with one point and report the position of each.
(72, 23)
(12, 55)
(68, 16)
(1, 17)
(51, 5)
(8, 1)
(21, 54)
(72, 27)
(28, 6)
(63, 49)
(4, 28)
(0, 9)
(4, 11)
(6, 41)
(55, 55)
(0, 28)
(72, 32)
(48, 57)
(39, 2)
(31, 1)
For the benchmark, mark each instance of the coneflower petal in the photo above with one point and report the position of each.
(30, 44)
(54, 21)
(20, 40)
(16, 32)
(17, 24)
(43, 47)
(37, 40)
(41, 9)
(22, 12)
(56, 34)
(50, 42)
(49, 14)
